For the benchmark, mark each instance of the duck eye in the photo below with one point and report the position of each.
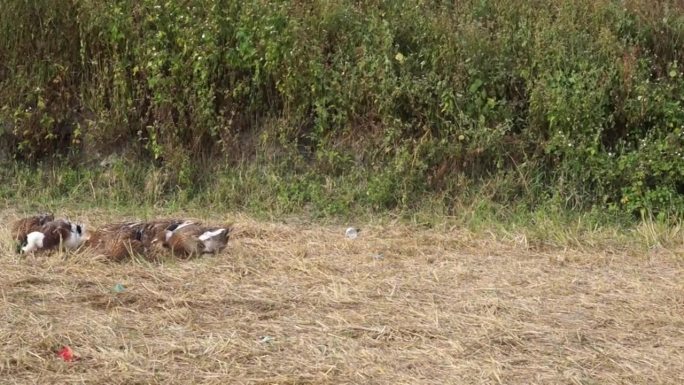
(79, 229)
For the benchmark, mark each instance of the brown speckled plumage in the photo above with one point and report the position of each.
(122, 240)
(117, 241)
(21, 227)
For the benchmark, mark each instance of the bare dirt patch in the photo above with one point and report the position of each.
(300, 304)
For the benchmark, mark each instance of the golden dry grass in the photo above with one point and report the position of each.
(300, 304)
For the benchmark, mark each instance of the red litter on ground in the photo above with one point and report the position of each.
(66, 354)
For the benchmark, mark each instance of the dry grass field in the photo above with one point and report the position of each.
(298, 303)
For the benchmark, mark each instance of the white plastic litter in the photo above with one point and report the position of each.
(266, 339)
(351, 233)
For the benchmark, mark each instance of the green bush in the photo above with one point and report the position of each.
(576, 101)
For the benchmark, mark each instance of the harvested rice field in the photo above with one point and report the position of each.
(299, 303)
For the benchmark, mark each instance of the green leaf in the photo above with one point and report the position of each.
(475, 86)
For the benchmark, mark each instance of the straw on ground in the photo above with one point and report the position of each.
(302, 304)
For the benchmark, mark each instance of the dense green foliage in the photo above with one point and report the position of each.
(381, 104)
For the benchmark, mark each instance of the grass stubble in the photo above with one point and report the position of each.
(297, 303)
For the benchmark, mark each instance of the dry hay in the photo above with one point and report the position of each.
(300, 304)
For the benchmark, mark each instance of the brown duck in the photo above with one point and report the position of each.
(117, 241)
(120, 241)
(52, 234)
(191, 239)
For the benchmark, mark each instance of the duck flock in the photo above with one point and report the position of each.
(122, 240)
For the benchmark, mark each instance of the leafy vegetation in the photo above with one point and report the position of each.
(339, 106)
